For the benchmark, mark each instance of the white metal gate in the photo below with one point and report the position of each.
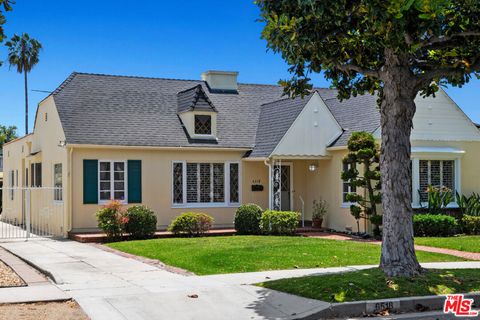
(31, 212)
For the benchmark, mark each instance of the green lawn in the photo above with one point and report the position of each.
(372, 284)
(462, 243)
(214, 255)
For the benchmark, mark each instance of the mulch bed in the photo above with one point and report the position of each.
(65, 310)
(8, 278)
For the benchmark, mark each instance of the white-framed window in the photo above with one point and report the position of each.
(201, 184)
(346, 187)
(436, 172)
(112, 180)
(57, 182)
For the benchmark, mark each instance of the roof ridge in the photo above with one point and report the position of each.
(288, 98)
(135, 77)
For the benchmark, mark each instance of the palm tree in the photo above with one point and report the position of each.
(23, 53)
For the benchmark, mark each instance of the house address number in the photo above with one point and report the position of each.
(377, 306)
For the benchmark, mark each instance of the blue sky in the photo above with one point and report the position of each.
(173, 39)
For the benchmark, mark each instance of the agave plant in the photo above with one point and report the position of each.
(469, 205)
(438, 198)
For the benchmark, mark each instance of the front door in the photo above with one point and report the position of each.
(286, 188)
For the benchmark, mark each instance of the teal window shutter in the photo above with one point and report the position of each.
(134, 181)
(90, 181)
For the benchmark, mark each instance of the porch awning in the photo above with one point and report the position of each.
(438, 150)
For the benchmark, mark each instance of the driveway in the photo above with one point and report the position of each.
(110, 286)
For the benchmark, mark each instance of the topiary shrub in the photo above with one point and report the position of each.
(434, 225)
(192, 224)
(141, 222)
(471, 224)
(111, 219)
(279, 222)
(247, 219)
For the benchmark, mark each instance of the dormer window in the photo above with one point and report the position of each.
(203, 124)
(198, 114)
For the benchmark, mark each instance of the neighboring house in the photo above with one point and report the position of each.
(209, 145)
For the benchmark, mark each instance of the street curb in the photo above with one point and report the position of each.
(404, 305)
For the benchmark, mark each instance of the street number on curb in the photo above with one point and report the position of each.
(375, 307)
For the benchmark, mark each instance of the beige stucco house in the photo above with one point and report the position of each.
(209, 145)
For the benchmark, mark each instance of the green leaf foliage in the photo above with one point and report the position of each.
(279, 222)
(247, 219)
(349, 41)
(23, 52)
(7, 134)
(434, 225)
(5, 5)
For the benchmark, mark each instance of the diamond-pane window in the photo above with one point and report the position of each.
(234, 183)
(203, 124)
(178, 182)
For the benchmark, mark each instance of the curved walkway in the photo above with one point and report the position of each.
(333, 236)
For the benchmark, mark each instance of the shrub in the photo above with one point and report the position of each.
(434, 225)
(279, 222)
(471, 224)
(191, 224)
(111, 219)
(142, 222)
(247, 219)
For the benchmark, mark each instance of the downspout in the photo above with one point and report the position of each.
(70, 191)
(267, 163)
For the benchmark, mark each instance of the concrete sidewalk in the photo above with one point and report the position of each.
(38, 287)
(110, 286)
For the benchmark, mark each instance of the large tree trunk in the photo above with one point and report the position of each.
(397, 110)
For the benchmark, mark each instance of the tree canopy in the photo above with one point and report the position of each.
(438, 40)
(7, 134)
(396, 48)
(5, 5)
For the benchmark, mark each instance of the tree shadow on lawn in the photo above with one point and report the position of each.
(372, 284)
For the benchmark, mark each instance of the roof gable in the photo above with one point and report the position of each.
(315, 127)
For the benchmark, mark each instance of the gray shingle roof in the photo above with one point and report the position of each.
(136, 111)
(139, 111)
(194, 99)
(355, 114)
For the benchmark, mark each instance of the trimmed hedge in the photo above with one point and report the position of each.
(191, 224)
(247, 219)
(434, 225)
(471, 224)
(141, 222)
(279, 222)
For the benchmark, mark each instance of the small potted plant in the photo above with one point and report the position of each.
(318, 212)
